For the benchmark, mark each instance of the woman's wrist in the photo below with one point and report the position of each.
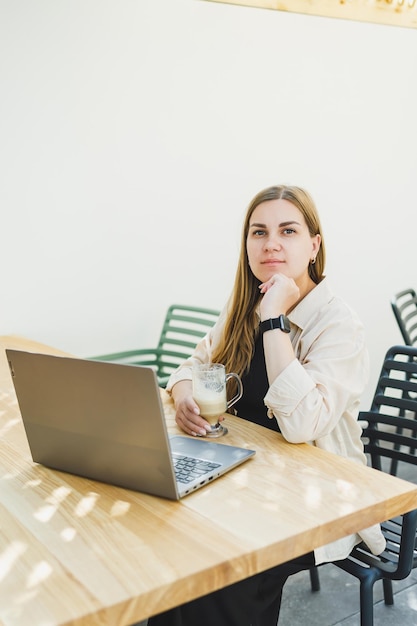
(181, 389)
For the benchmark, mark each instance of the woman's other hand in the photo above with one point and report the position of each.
(187, 411)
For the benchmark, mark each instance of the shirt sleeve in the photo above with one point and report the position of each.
(324, 383)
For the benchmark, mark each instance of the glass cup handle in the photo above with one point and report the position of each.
(239, 389)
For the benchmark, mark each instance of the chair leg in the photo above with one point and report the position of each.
(367, 601)
(388, 594)
(394, 466)
(314, 579)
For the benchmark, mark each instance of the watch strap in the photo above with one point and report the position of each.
(282, 322)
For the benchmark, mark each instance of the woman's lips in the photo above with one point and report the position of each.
(272, 262)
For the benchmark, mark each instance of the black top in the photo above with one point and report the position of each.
(251, 405)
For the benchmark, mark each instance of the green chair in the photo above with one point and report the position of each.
(183, 327)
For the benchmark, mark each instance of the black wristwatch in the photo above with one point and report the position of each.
(282, 322)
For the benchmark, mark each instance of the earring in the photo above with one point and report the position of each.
(313, 261)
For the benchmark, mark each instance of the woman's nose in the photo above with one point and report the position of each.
(272, 243)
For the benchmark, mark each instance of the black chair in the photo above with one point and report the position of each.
(389, 435)
(314, 579)
(384, 390)
(404, 306)
(183, 327)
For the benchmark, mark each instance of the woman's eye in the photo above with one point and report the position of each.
(259, 233)
(289, 231)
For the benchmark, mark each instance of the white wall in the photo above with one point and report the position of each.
(133, 134)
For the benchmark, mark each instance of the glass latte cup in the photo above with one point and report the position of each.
(209, 392)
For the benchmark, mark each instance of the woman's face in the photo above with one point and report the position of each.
(278, 241)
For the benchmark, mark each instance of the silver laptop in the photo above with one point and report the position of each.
(105, 421)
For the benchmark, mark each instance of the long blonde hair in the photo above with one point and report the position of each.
(236, 346)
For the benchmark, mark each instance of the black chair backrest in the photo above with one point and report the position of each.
(391, 432)
(390, 441)
(404, 306)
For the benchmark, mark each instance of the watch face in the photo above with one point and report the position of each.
(285, 323)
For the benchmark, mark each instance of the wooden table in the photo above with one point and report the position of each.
(74, 551)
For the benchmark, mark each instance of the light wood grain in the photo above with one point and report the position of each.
(79, 552)
(390, 12)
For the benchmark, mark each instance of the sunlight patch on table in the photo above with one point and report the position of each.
(8, 425)
(45, 513)
(347, 489)
(241, 478)
(41, 572)
(68, 534)
(35, 482)
(313, 497)
(86, 504)
(10, 556)
(119, 508)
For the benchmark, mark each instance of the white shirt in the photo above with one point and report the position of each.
(315, 399)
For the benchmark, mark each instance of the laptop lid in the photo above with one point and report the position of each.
(105, 421)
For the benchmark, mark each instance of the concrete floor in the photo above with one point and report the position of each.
(337, 602)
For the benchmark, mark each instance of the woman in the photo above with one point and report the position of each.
(301, 354)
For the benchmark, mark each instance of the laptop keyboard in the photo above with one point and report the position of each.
(188, 468)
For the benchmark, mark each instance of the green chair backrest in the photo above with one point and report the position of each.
(183, 328)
